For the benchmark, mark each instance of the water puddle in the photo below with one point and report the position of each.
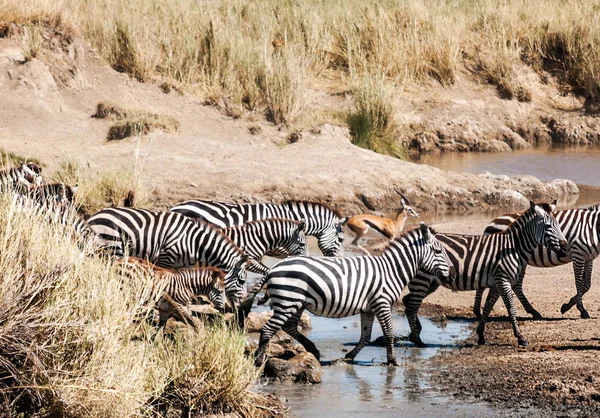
(367, 387)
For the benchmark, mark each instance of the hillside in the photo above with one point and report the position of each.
(48, 105)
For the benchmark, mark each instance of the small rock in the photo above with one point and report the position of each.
(256, 320)
(295, 367)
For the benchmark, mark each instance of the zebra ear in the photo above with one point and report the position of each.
(74, 188)
(344, 221)
(553, 205)
(425, 231)
(531, 205)
(301, 225)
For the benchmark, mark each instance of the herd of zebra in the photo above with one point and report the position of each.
(205, 248)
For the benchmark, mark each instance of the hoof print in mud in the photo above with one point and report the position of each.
(295, 367)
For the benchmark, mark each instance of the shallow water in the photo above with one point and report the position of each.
(367, 388)
(579, 164)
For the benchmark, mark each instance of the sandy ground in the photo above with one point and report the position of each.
(46, 113)
(558, 373)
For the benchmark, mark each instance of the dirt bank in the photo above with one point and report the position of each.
(47, 109)
(559, 372)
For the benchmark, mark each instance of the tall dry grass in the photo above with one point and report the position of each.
(267, 55)
(72, 344)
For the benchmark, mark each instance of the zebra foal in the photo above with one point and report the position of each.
(321, 221)
(341, 287)
(178, 287)
(488, 261)
(581, 228)
(21, 177)
(171, 240)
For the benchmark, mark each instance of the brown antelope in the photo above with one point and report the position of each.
(389, 228)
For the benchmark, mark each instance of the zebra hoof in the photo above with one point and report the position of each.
(416, 340)
(523, 342)
(536, 315)
(477, 315)
(481, 340)
(391, 362)
(565, 308)
(584, 315)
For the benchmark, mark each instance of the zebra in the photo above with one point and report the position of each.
(21, 177)
(581, 228)
(321, 221)
(277, 237)
(58, 192)
(178, 287)
(488, 261)
(341, 287)
(171, 240)
(58, 213)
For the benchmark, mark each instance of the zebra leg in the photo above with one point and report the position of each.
(492, 297)
(384, 316)
(291, 327)
(274, 324)
(505, 290)
(584, 288)
(477, 303)
(419, 290)
(518, 289)
(366, 327)
(578, 270)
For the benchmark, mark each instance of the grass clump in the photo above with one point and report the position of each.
(371, 122)
(10, 159)
(132, 122)
(107, 188)
(72, 343)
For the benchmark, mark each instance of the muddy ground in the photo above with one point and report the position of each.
(559, 372)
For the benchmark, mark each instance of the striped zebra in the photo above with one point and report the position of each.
(178, 287)
(171, 240)
(488, 261)
(22, 177)
(581, 228)
(341, 287)
(321, 221)
(58, 192)
(56, 212)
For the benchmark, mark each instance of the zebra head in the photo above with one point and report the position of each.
(435, 260)
(331, 239)
(33, 173)
(235, 279)
(547, 230)
(294, 241)
(217, 290)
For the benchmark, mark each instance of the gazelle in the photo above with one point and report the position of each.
(389, 228)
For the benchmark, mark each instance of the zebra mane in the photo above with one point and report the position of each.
(545, 206)
(594, 208)
(203, 224)
(259, 221)
(403, 235)
(292, 202)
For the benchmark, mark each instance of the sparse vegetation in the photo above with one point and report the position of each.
(371, 122)
(130, 122)
(99, 190)
(10, 159)
(73, 342)
(269, 56)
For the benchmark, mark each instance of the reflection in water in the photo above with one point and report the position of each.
(579, 164)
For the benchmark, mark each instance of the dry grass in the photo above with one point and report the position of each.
(131, 122)
(266, 56)
(10, 159)
(107, 188)
(72, 344)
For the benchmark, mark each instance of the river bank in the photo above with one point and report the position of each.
(559, 372)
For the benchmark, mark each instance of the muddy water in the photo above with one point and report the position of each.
(579, 164)
(367, 388)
